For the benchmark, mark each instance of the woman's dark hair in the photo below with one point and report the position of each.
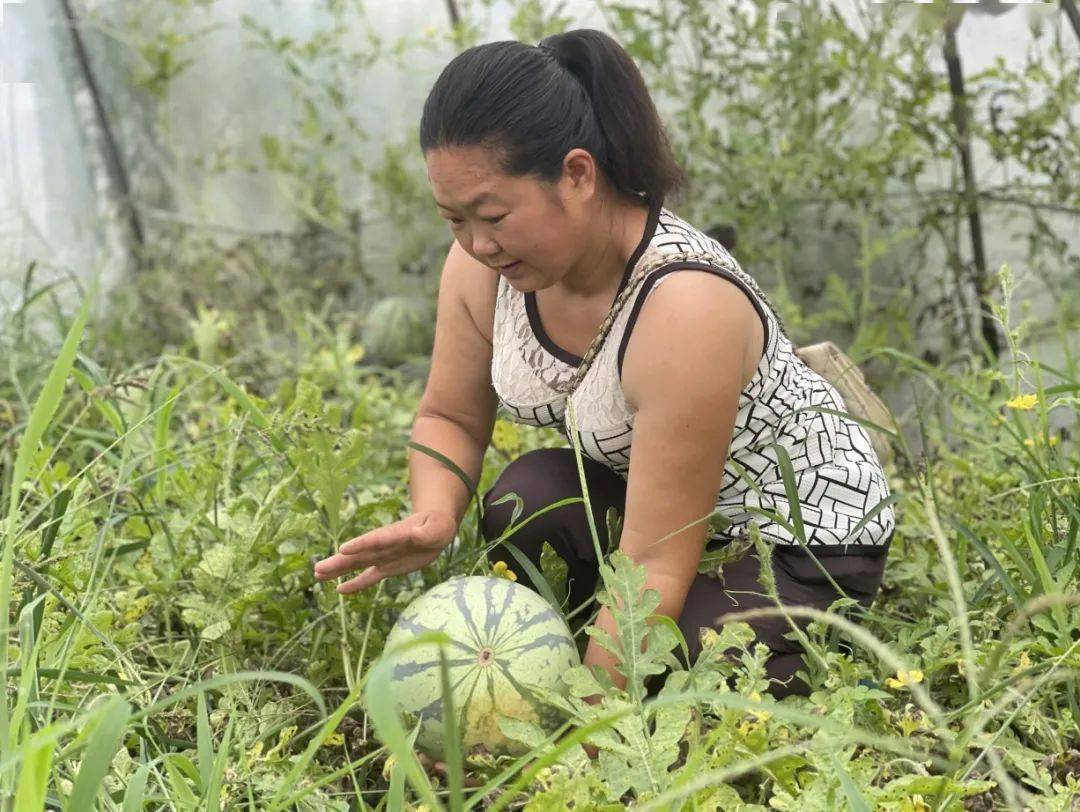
(533, 104)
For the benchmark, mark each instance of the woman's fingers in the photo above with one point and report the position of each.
(370, 576)
(370, 549)
(380, 539)
(335, 565)
(394, 549)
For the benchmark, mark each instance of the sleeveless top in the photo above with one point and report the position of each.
(837, 473)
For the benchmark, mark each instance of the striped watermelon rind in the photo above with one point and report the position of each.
(510, 648)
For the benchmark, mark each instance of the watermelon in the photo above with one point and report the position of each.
(397, 327)
(510, 645)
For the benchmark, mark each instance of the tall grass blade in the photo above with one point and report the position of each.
(956, 589)
(217, 773)
(382, 709)
(179, 769)
(161, 439)
(991, 561)
(48, 538)
(237, 393)
(204, 739)
(535, 576)
(396, 795)
(135, 793)
(305, 758)
(452, 740)
(791, 490)
(33, 783)
(449, 463)
(44, 408)
(856, 802)
(100, 749)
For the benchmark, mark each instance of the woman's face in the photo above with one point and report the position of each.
(500, 219)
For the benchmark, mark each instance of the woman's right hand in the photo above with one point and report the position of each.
(393, 549)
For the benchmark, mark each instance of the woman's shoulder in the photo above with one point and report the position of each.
(676, 236)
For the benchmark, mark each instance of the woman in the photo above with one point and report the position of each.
(551, 165)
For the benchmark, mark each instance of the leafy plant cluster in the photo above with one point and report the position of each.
(833, 143)
(167, 639)
(171, 470)
(831, 146)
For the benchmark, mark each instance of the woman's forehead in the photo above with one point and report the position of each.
(466, 177)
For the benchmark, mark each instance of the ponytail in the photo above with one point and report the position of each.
(637, 155)
(575, 89)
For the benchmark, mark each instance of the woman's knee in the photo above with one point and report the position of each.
(538, 478)
(541, 478)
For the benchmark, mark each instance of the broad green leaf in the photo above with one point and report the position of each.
(555, 571)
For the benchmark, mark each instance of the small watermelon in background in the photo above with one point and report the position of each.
(396, 328)
(508, 643)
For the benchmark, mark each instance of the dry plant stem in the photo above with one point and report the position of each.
(346, 660)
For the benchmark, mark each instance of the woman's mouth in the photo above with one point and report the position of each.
(511, 267)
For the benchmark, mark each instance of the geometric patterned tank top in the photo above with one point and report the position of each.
(837, 473)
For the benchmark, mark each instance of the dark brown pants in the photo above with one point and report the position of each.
(544, 476)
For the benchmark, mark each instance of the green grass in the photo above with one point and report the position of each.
(168, 647)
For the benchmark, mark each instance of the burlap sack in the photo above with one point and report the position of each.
(827, 360)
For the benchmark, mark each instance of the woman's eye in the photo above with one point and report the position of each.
(494, 219)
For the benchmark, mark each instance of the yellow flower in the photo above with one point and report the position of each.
(1041, 440)
(500, 570)
(388, 767)
(760, 715)
(748, 727)
(1024, 661)
(506, 436)
(904, 678)
(913, 720)
(1023, 401)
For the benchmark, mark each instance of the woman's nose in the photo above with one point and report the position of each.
(483, 246)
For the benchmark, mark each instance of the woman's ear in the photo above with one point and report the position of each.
(580, 174)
